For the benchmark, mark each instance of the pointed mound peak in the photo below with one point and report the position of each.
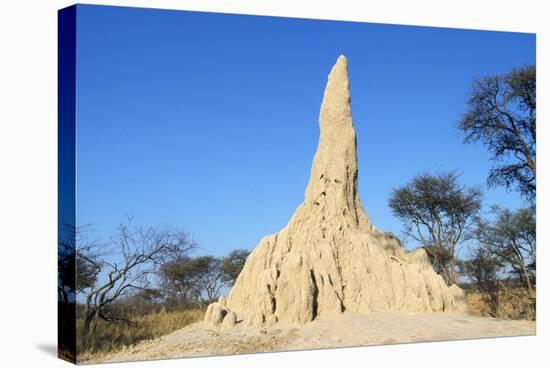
(341, 63)
(333, 182)
(336, 100)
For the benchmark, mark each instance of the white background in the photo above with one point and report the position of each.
(28, 180)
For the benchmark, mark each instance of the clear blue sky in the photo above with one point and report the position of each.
(208, 122)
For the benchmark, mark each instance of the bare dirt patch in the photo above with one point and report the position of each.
(344, 331)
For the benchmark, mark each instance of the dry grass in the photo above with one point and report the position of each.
(113, 336)
(514, 304)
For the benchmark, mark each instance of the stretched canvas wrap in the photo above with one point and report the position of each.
(235, 184)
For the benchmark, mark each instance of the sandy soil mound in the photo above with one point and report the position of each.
(347, 329)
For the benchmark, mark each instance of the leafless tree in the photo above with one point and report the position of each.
(136, 254)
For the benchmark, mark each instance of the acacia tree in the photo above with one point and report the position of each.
(177, 282)
(210, 279)
(501, 115)
(232, 265)
(437, 211)
(512, 238)
(137, 254)
(197, 281)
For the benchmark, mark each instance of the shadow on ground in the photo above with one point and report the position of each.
(50, 349)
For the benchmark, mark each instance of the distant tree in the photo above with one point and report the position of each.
(483, 270)
(210, 279)
(87, 270)
(502, 116)
(138, 303)
(512, 238)
(150, 295)
(146, 300)
(436, 211)
(75, 271)
(137, 254)
(66, 269)
(178, 282)
(232, 265)
(87, 259)
(193, 280)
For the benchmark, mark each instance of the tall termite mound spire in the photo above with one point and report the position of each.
(334, 169)
(329, 258)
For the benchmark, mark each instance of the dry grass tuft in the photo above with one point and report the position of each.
(112, 336)
(513, 304)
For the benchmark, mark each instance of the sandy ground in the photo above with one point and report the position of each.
(347, 330)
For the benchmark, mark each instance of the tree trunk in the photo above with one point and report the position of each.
(445, 273)
(452, 262)
(452, 271)
(88, 328)
(527, 279)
